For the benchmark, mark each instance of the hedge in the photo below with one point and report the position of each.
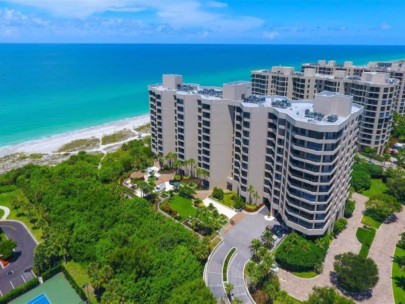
(51, 272)
(74, 285)
(299, 254)
(60, 268)
(15, 293)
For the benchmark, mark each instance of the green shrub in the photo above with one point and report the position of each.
(297, 253)
(177, 177)
(15, 293)
(355, 273)
(218, 194)
(349, 208)
(339, 226)
(8, 188)
(361, 180)
(51, 272)
(238, 202)
(186, 177)
(381, 206)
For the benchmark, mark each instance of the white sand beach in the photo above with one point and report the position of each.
(50, 144)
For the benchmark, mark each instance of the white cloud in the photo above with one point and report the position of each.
(217, 4)
(385, 26)
(270, 35)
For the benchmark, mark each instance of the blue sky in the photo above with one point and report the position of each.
(197, 21)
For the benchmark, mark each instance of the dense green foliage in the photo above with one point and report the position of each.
(6, 247)
(349, 208)
(362, 174)
(380, 207)
(398, 275)
(20, 290)
(327, 295)
(361, 180)
(132, 156)
(132, 253)
(398, 127)
(355, 273)
(395, 179)
(296, 253)
(339, 226)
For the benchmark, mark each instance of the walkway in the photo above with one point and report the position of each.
(382, 251)
(240, 237)
(6, 213)
(301, 288)
(228, 212)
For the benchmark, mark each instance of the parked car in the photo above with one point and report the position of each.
(274, 268)
(277, 230)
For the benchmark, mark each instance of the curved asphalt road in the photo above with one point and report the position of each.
(19, 271)
(240, 237)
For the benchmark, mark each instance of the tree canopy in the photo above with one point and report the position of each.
(327, 295)
(355, 273)
(381, 206)
(132, 253)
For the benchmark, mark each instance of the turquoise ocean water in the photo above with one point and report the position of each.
(50, 89)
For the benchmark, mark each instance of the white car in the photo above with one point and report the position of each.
(274, 268)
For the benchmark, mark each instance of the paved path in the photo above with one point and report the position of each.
(20, 270)
(6, 213)
(240, 237)
(228, 212)
(301, 288)
(382, 251)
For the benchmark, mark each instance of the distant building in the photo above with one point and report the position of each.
(376, 91)
(297, 154)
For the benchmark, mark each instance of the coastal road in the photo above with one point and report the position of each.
(249, 228)
(20, 270)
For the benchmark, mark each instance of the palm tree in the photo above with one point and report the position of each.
(177, 165)
(256, 196)
(267, 239)
(171, 157)
(191, 162)
(251, 190)
(254, 247)
(204, 173)
(228, 289)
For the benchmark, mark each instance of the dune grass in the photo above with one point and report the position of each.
(80, 144)
(117, 137)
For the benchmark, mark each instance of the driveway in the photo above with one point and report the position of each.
(240, 237)
(301, 288)
(382, 252)
(19, 271)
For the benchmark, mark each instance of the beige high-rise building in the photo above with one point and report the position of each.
(376, 91)
(296, 154)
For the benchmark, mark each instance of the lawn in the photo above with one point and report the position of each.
(81, 277)
(1, 213)
(305, 274)
(5, 201)
(366, 220)
(398, 279)
(365, 237)
(377, 187)
(183, 206)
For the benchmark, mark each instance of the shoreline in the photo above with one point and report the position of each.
(49, 144)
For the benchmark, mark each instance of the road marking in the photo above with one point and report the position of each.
(7, 226)
(12, 285)
(23, 279)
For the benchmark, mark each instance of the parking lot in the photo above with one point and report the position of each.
(20, 270)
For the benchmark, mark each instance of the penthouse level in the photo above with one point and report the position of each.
(376, 91)
(297, 154)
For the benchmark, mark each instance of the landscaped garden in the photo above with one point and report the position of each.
(301, 256)
(193, 213)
